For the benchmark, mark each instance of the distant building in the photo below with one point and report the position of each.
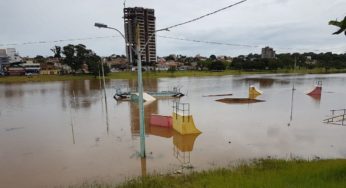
(310, 61)
(31, 67)
(14, 69)
(198, 57)
(13, 55)
(4, 59)
(145, 18)
(268, 53)
(3, 52)
(52, 66)
(117, 63)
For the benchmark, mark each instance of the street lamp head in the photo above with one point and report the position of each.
(100, 25)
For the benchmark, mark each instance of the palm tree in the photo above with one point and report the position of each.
(341, 24)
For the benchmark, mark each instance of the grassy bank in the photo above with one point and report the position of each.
(160, 74)
(263, 173)
(166, 74)
(43, 78)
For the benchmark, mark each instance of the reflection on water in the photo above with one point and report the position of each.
(149, 109)
(62, 133)
(264, 82)
(292, 104)
(183, 146)
(143, 166)
(316, 98)
(83, 93)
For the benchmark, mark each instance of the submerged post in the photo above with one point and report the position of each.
(140, 96)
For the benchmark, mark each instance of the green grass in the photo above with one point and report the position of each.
(166, 74)
(263, 173)
(160, 74)
(43, 78)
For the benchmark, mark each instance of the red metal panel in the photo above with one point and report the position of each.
(316, 91)
(161, 121)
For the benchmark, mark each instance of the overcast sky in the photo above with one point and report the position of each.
(286, 25)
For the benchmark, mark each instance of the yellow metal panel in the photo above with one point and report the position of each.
(184, 124)
(254, 93)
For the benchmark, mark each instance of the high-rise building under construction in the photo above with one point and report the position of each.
(145, 18)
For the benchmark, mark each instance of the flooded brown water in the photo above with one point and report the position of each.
(61, 133)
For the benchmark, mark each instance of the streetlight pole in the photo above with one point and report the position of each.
(138, 52)
(140, 94)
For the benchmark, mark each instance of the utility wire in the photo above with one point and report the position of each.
(205, 15)
(247, 45)
(208, 42)
(172, 38)
(58, 41)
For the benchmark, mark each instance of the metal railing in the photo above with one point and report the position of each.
(337, 119)
(339, 110)
(182, 108)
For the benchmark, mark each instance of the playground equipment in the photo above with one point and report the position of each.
(121, 95)
(183, 123)
(127, 95)
(338, 117)
(181, 120)
(146, 97)
(174, 93)
(317, 91)
(254, 92)
(161, 121)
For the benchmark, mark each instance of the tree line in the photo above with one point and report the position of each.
(290, 61)
(77, 56)
(281, 61)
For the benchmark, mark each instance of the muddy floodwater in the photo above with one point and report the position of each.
(63, 133)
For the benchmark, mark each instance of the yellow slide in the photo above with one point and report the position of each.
(254, 92)
(184, 124)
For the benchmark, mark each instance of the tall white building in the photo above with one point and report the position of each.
(4, 59)
(13, 55)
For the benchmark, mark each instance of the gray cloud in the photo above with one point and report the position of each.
(287, 25)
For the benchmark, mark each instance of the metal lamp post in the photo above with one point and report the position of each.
(138, 52)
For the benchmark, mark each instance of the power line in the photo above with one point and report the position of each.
(91, 38)
(247, 45)
(172, 38)
(205, 15)
(57, 41)
(209, 42)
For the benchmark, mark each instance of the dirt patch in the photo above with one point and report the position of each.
(239, 100)
(218, 95)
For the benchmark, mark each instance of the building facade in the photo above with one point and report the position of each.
(4, 59)
(145, 19)
(268, 53)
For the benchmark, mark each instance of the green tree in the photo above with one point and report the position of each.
(340, 24)
(96, 69)
(70, 57)
(212, 57)
(57, 51)
(170, 58)
(39, 59)
(217, 66)
(77, 55)
(203, 64)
